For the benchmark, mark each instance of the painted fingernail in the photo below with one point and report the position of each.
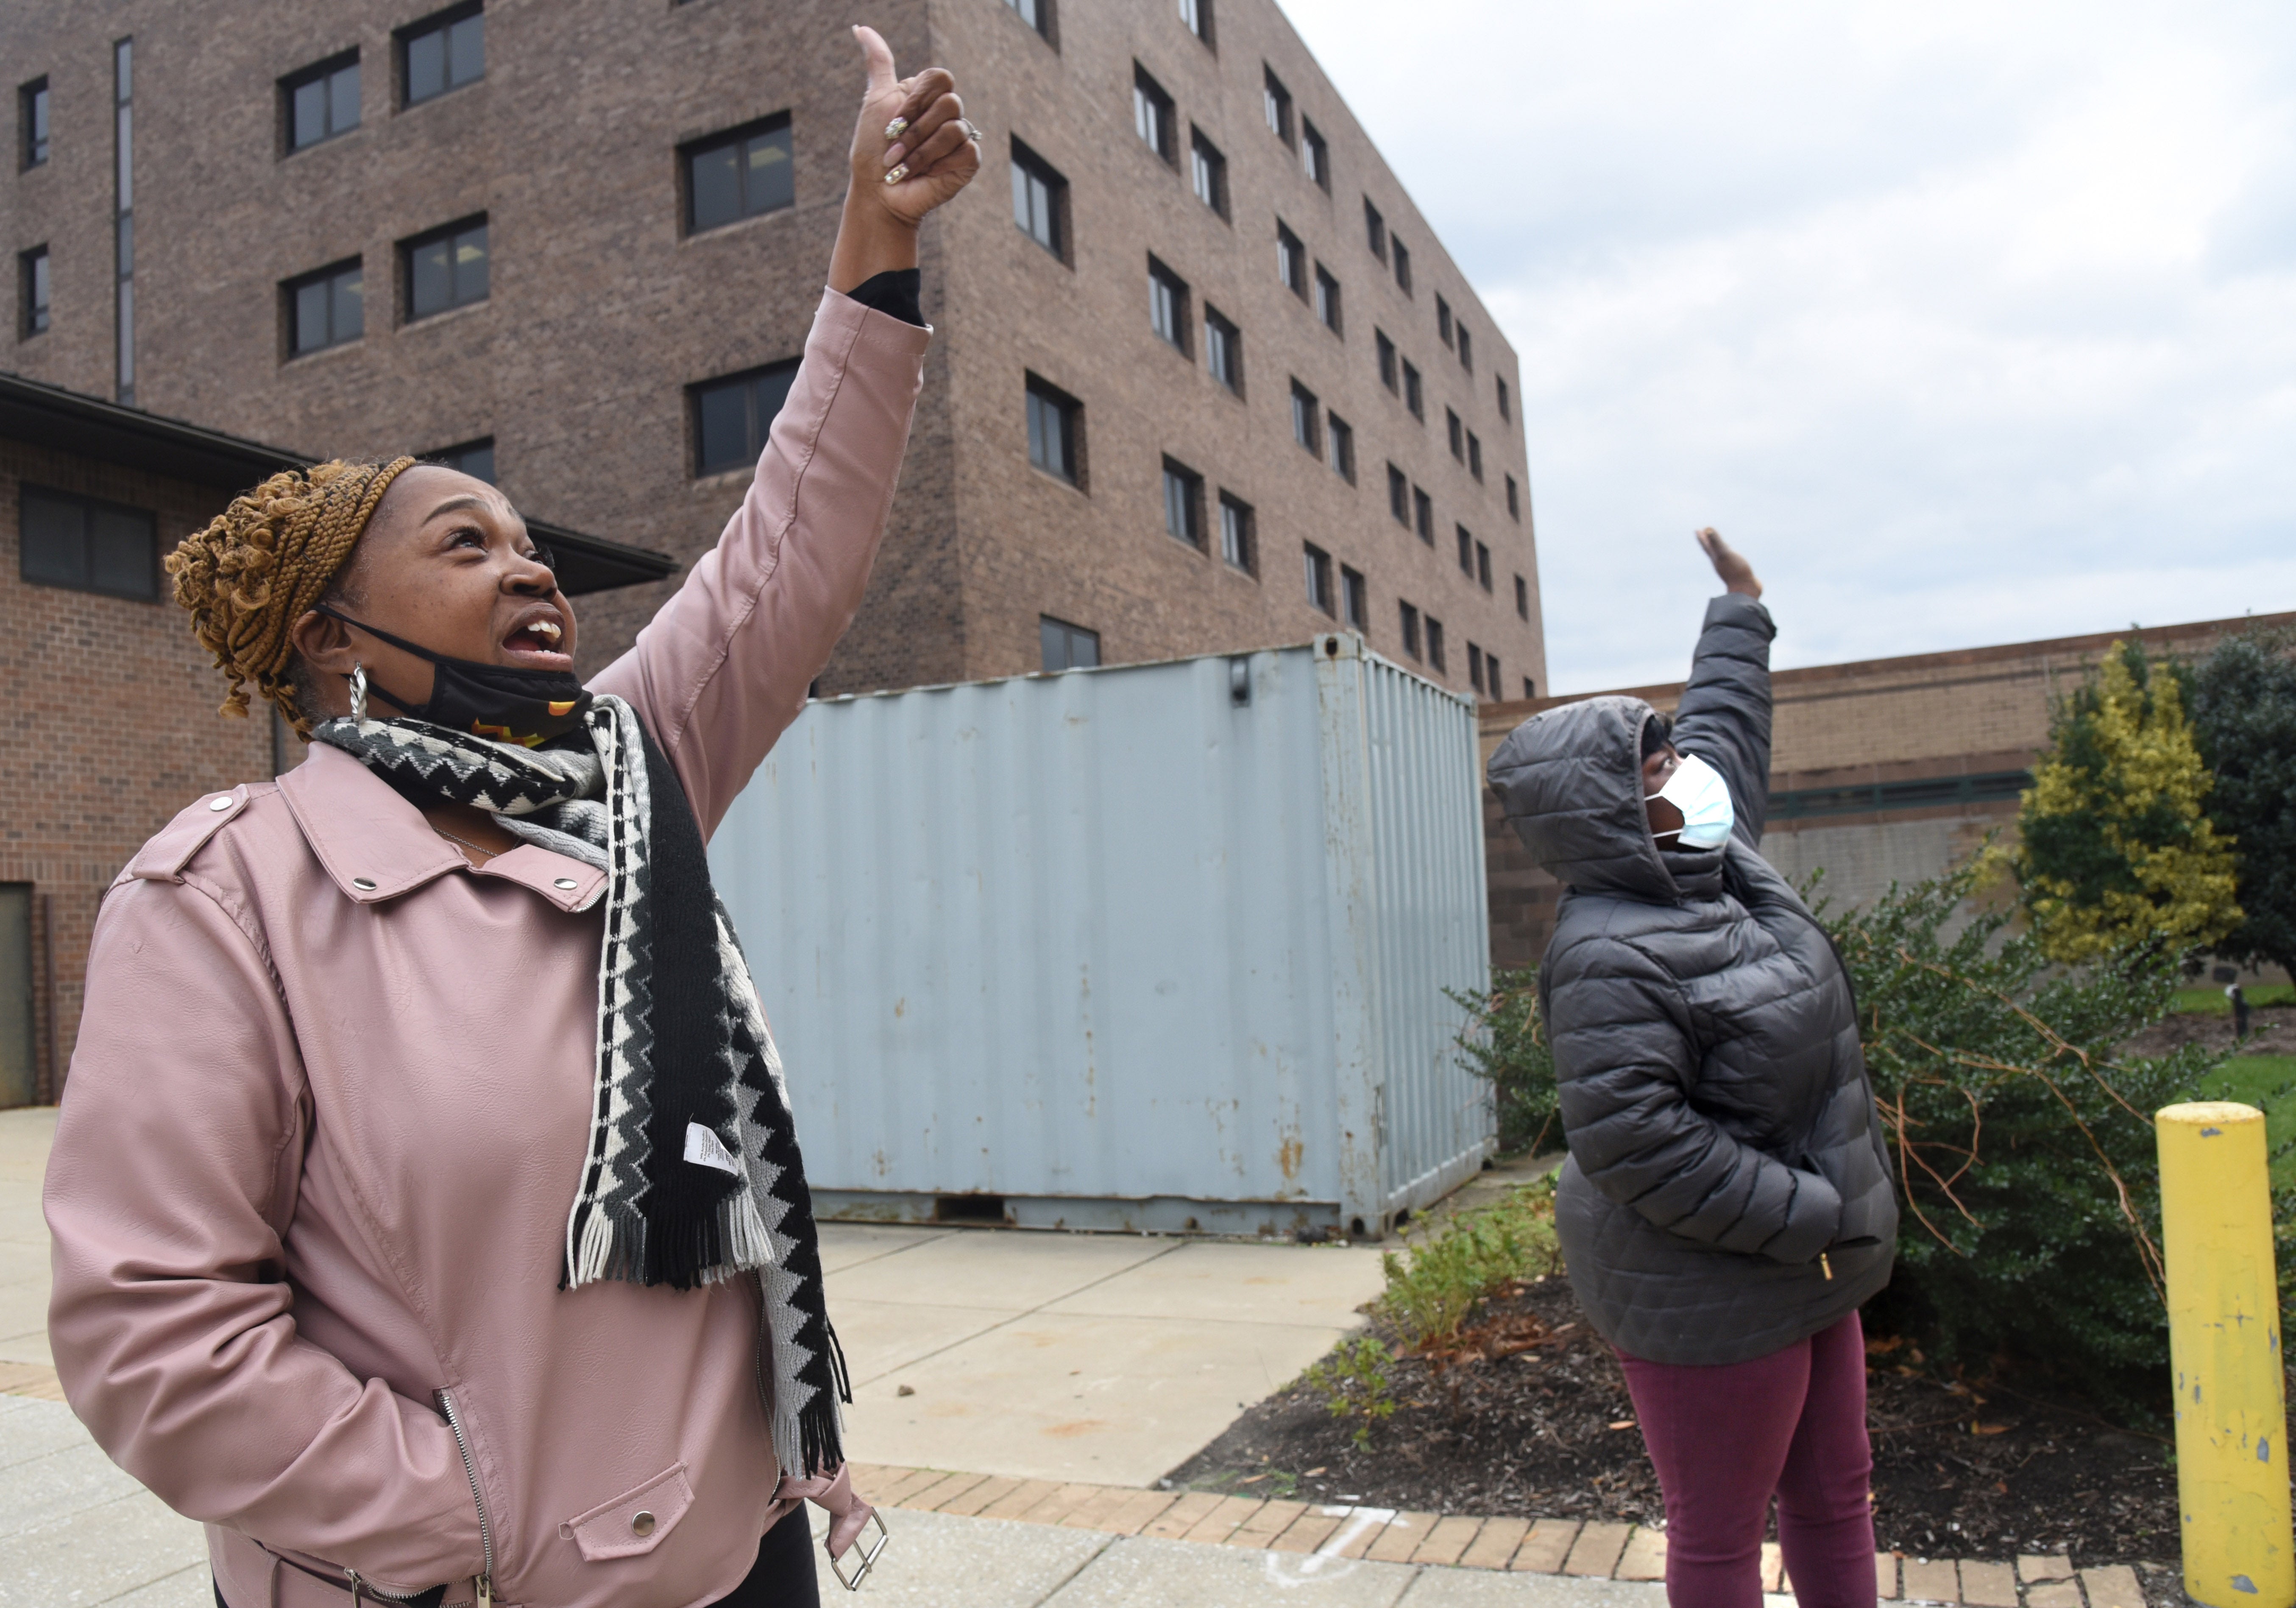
(894, 153)
(895, 129)
(900, 171)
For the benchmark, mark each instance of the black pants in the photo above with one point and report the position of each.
(783, 1576)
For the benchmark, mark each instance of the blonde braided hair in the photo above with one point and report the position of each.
(262, 564)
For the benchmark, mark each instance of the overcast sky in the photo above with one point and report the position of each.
(1968, 323)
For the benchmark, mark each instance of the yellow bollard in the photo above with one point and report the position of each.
(2224, 1345)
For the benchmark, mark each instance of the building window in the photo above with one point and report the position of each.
(1483, 565)
(1506, 403)
(1398, 495)
(1207, 171)
(1435, 644)
(1305, 417)
(732, 416)
(1412, 398)
(1168, 307)
(1402, 266)
(472, 458)
(1410, 617)
(1055, 431)
(1466, 551)
(1443, 320)
(1275, 101)
(1327, 299)
(87, 545)
(1339, 440)
(1491, 676)
(1474, 455)
(1183, 503)
(1196, 17)
(1386, 358)
(1374, 230)
(1522, 601)
(1315, 154)
(1235, 533)
(326, 308)
(1319, 578)
(446, 268)
(1458, 435)
(1040, 201)
(320, 102)
(1529, 687)
(32, 123)
(739, 173)
(1291, 262)
(1152, 114)
(1475, 666)
(32, 292)
(1514, 500)
(1036, 13)
(123, 220)
(1067, 647)
(1423, 515)
(1224, 352)
(1354, 598)
(442, 52)
(1466, 350)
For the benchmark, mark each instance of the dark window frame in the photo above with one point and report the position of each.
(1483, 564)
(1513, 501)
(290, 292)
(1434, 629)
(1442, 319)
(1399, 496)
(34, 123)
(1423, 515)
(1196, 17)
(1069, 413)
(1071, 636)
(1385, 348)
(1466, 347)
(1316, 572)
(324, 72)
(1466, 551)
(1223, 339)
(150, 589)
(1026, 162)
(1457, 430)
(1204, 158)
(1522, 598)
(1402, 259)
(457, 457)
(1180, 338)
(1314, 155)
(1355, 599)
(1237, 518)
(1475, 454)
(1045, 24)
(1506, 400)
(1329, 312)
(757, 423)
(736, 139)
(451, 233)
(1475, 667)
(1149, 95)
(1340, 445)
(1307, 419)
(1414, 396)
(1291, 260)
(441, 23)
(34, 291)
(1408, 616)
(1275, 105)
(1191, 487)
(1374, 230)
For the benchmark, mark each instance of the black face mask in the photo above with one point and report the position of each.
(497, 702)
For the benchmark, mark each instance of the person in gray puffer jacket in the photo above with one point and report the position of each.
(1727, 1204)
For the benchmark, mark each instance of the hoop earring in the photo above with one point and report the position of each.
(357, 678)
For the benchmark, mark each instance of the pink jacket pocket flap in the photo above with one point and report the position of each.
(633, 1522)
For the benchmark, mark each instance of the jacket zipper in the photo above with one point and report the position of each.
(485, 1583)
(360, 1585)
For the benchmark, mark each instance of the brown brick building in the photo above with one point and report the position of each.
(1881, 771)
(548, 232)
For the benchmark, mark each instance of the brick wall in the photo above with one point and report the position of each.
(1932, 715)
(109, 721)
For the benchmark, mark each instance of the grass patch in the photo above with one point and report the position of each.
(2212, 1001)
(2268, 1083)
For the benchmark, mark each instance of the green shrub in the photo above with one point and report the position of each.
(2022, 1140)
(1504, 1043)
(1354, 1382)
(1476, 1255)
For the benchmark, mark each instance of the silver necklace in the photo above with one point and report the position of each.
(465, 842)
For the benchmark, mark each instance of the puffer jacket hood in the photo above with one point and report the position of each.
(1572, 779)
(1729, 1190)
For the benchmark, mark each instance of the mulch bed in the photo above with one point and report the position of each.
(2272, 1031)
(1543, 1428)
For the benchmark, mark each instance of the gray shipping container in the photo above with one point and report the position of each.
(1156, 946)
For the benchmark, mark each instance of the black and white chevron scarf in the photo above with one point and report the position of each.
(692, 1173)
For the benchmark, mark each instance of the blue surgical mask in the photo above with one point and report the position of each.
(1698, 790)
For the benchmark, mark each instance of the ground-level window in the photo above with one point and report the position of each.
(85, 544)
(472, 458)
(1065, 646)
(732, 415)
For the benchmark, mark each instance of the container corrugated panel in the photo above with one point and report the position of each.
(1069, 944)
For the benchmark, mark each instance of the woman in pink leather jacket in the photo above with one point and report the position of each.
(428, 1218)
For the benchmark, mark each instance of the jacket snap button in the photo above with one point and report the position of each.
(642, 1523)
(220, 804)
(365, 884)
(570, 884)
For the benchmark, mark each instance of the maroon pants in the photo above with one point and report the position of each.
(1726, 1439)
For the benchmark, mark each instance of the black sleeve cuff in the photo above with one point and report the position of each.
(894, 293)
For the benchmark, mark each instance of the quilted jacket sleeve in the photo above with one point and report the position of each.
(1625, 1061)
(1724, 714)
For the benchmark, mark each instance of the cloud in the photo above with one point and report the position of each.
(1968, 323)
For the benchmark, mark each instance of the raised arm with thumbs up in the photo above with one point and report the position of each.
(912, 149)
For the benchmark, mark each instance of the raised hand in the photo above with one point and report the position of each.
(913, 149)
(1737, 575)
